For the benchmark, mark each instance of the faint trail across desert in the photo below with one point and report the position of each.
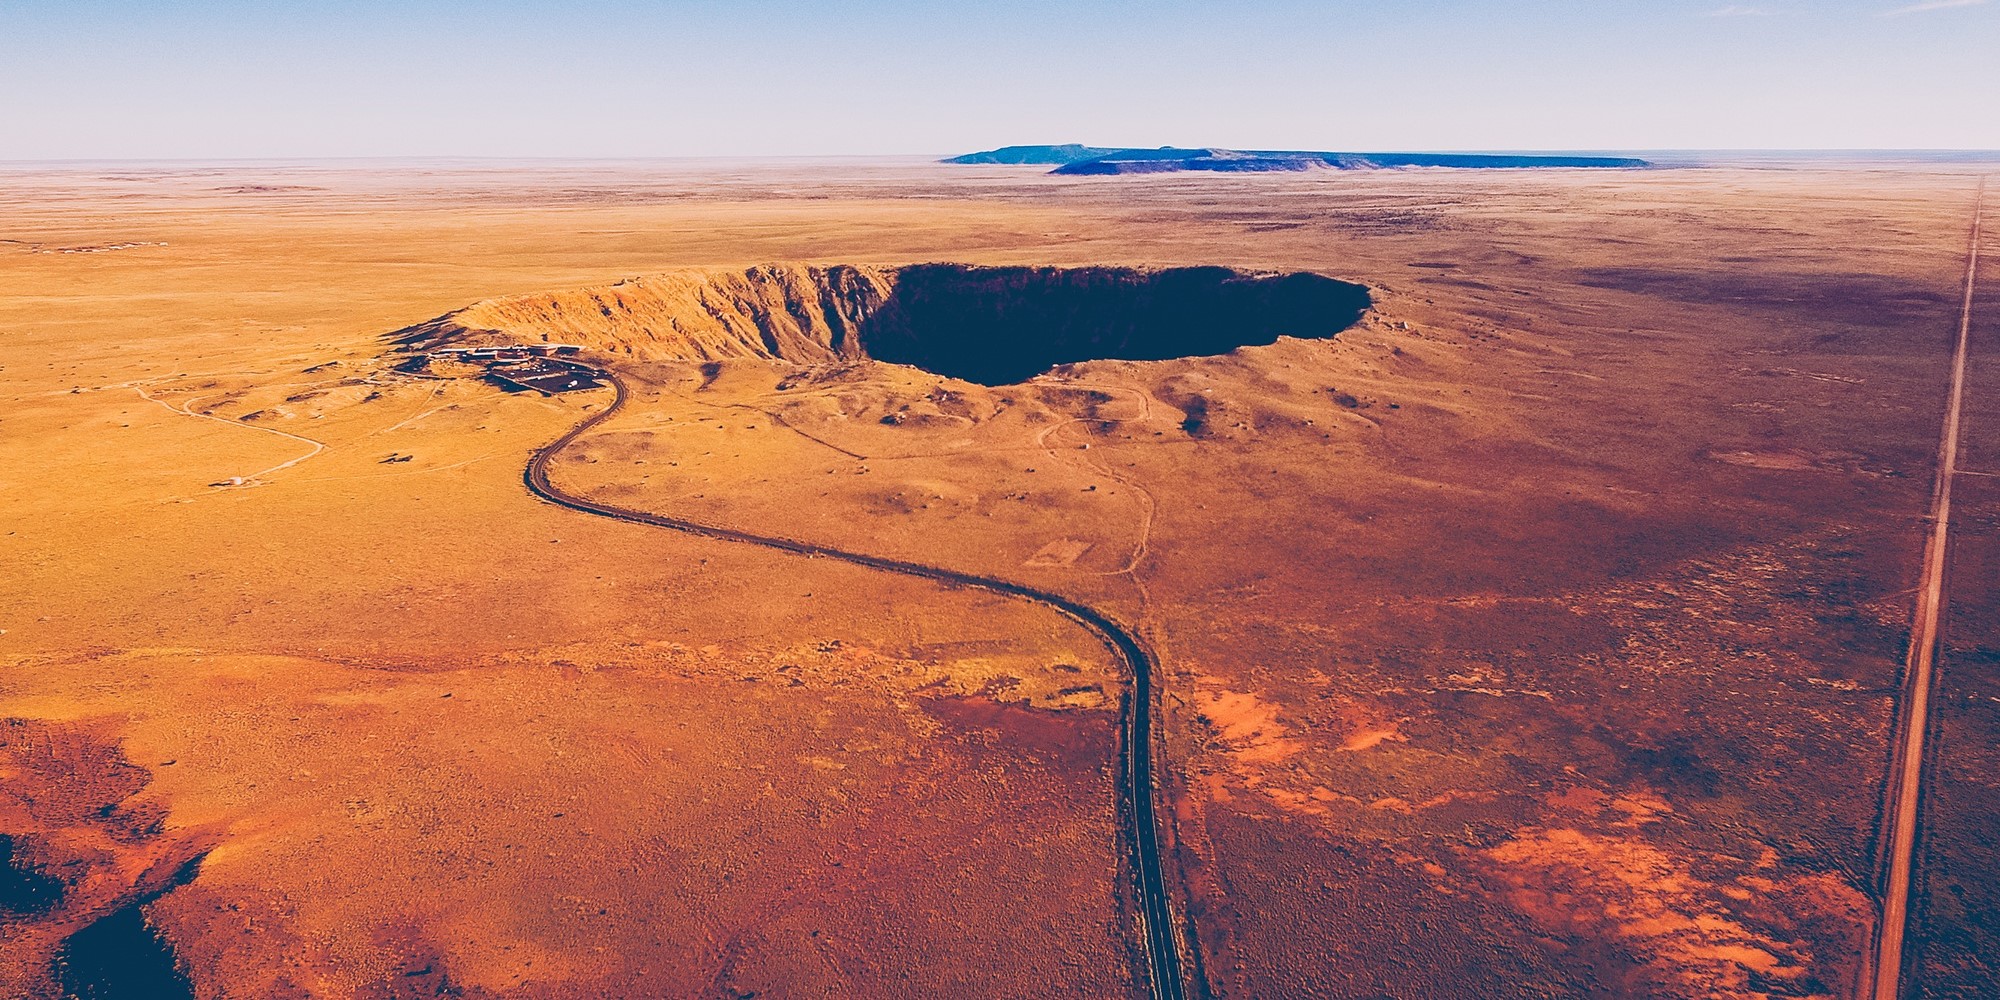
(1906, 778)
(1148, 505)
(1162, 935)
(317, 446)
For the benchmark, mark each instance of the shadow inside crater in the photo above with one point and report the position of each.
(1000, 325)
(122, 956)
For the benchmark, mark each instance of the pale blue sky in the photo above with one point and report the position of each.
(243, 78)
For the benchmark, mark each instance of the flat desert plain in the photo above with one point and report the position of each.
(1537, 630)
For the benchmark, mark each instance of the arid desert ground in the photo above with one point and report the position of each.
(1536, 631)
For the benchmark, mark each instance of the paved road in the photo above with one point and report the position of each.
(1140, 821)
(1906, 779)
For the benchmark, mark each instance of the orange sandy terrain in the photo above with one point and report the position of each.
(1535, 632)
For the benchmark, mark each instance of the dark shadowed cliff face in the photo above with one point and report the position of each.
(993, 325)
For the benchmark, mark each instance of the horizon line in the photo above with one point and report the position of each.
(632, 157)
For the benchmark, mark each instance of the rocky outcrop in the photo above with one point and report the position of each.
(787, 312)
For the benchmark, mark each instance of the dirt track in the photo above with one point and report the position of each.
(1906, 781)
(1137, 787)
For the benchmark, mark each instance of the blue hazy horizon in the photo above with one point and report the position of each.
(617, 78)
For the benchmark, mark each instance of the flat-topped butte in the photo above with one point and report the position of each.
(1075, 159)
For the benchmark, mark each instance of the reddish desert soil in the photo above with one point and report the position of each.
(1537, 635)
(1955, 938)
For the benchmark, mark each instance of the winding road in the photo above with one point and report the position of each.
(1137, 789)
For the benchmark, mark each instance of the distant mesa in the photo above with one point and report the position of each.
(990, 325)
(1068, 152)
(1078, 160)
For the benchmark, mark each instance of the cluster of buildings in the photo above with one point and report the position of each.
(524, 366)
(511, 352)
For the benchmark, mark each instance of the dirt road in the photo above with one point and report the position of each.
(1906, 778)
(1137, 789)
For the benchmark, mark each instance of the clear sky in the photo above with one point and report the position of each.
(589, 78)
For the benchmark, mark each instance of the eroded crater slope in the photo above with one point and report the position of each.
(991, 325)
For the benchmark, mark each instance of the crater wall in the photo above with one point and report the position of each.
(991, 325)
